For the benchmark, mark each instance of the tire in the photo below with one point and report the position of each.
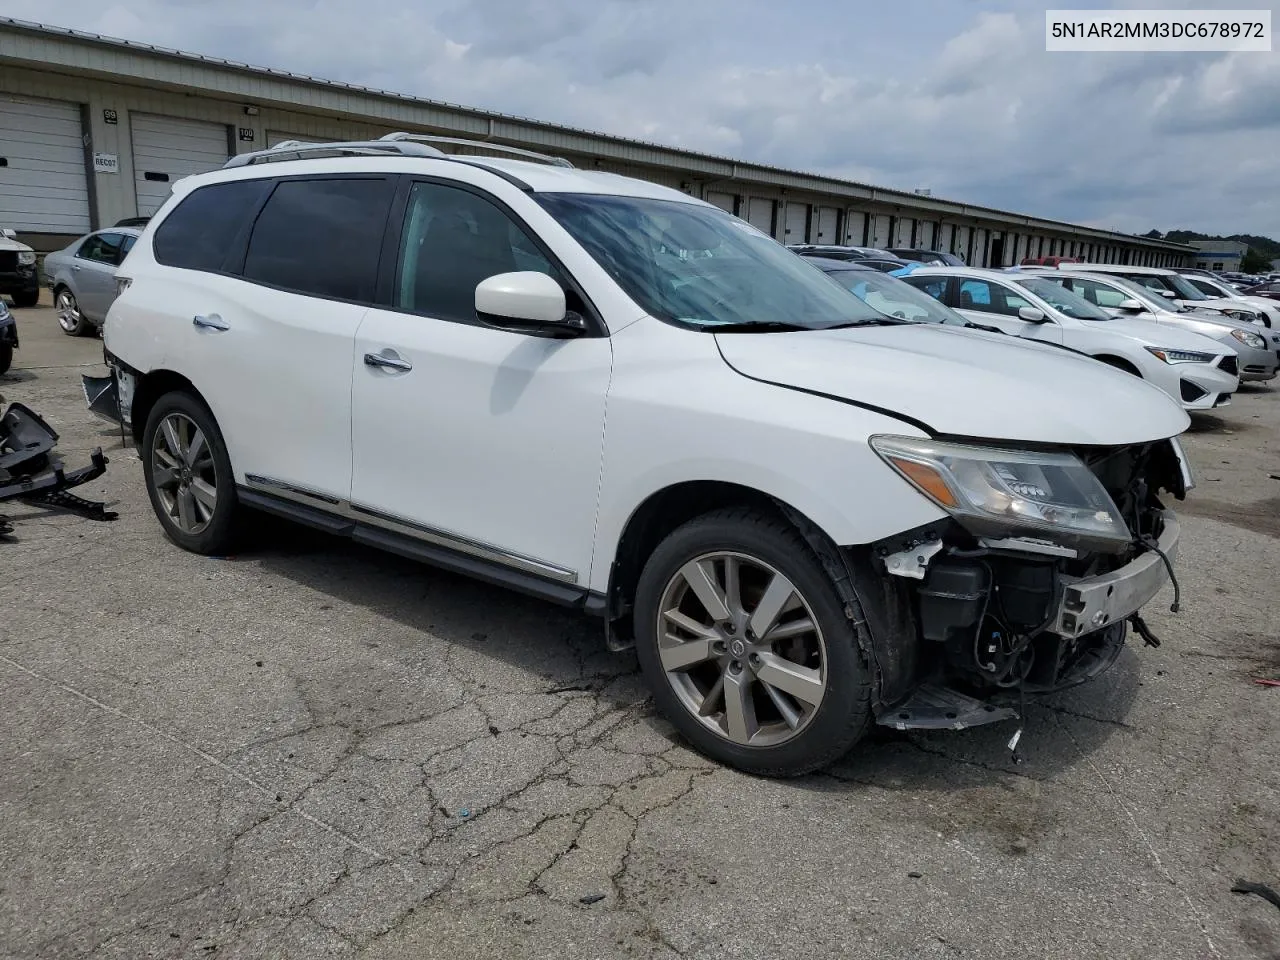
(26, 298)
(763, 548)
(6, 357)
(179, 480)
(73, 322)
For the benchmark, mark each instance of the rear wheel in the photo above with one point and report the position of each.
(188, 475)
(745, 645)
(72, 321)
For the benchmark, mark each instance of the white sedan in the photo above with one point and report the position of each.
(1197, 372)
(1215, 287)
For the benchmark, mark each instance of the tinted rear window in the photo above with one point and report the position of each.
(321, 237)
(199, 234)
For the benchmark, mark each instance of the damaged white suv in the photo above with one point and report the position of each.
(807, 516)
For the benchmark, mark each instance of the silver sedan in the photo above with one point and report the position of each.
(82, 277)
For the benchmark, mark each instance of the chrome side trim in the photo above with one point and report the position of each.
(461, 544)
(280, 488)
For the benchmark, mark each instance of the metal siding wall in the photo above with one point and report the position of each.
(43, 184)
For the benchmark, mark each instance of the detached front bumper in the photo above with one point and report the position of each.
(1095, 602)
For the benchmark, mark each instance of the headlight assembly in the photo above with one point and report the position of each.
(1180, 356)
(26, 257)
(1249, 339)
(991, 490)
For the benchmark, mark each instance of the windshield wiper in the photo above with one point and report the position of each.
(982, 326)
(868, 322)
(762, 326)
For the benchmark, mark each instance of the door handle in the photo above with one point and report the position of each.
(388, 360)
(210, 322)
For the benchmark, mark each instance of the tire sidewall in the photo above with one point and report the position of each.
(82, 324)
(218, 535)
(844, 714)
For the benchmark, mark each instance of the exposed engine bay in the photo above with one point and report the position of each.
(1000, 617)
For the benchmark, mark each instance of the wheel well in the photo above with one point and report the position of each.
(1120, 363)
(657, 517)
(150, 388)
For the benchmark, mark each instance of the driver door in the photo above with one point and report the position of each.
(481, 440)
(997, 305)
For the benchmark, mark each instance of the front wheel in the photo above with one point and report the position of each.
(188, 475)
(6, 357)
(73, 322)
(26, 298)
(744, 642)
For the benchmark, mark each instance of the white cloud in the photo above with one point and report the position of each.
(920, 93)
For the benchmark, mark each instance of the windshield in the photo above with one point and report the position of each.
(1063, 300)
(1185, 289)
(890, 295)
(1151, 300)
(702, 268)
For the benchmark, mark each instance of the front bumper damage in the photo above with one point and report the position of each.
(997, 620)
(31, 470)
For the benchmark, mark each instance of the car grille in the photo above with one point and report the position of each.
(1229, 365)
(1190, 392)
(8, 261)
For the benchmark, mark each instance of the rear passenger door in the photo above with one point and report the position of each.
(93, 272)
(268, 332)
(482, 440)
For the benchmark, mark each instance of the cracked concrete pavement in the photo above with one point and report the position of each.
(315, 750)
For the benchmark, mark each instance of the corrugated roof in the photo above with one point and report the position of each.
(742, 169)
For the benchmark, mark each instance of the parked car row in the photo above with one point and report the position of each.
(817, 502)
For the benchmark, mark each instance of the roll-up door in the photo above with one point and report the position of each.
(828, 225)
(722, 200)
(43, 185)
(760, 214)
(880, 231)
(905, 226)
(797, 223)
(855, 228)
(946, 238)
(166, 149)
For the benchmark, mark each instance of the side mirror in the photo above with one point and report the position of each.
(8, 234)
(1169, 293)
(527, 302)
(1131, 304)
(1031, 315)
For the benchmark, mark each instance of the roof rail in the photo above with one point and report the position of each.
(299, 150)
(478, 144)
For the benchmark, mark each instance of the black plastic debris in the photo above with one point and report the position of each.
(32, 472)
(591, 898)
(1258, 889)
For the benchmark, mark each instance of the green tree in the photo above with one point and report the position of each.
(1255, 262)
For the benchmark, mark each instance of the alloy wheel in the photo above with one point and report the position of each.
(68, 311)
(741, 648)
(183, 473)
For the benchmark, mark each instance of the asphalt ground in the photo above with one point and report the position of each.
(317, 750)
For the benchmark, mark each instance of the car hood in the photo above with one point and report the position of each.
(965, 383)
(7, 244)
(1156, 334)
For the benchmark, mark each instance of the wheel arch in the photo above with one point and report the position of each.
(877, 605)
(149, 389)
(1120, 363)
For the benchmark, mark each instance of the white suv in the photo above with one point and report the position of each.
(806, 516)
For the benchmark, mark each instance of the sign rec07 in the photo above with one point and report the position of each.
(106, 163)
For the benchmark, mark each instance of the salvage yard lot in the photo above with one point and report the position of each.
(317, 750)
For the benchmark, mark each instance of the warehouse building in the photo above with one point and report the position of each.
(94, 130)
(1219, 255)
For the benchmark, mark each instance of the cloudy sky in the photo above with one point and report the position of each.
(958, 96)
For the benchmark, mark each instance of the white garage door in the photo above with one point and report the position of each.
(166, 149)
(828, 218)
(43, 187)
(880, 231)
(946, 238)
(760, 214)
(722, 200)
(855, 228)
(797, 226)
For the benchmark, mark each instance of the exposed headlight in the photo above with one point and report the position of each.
(990, 490)
(1180, 356)
(4, 310)
(1247, 316)
(26, 257)
(1249, 339)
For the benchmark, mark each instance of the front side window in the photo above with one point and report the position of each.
(199, 234)
(321, 237)
(990, 297)
(452, 240)
(1063, 300)
(891, 296)
(935, 287)
(702, 268)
